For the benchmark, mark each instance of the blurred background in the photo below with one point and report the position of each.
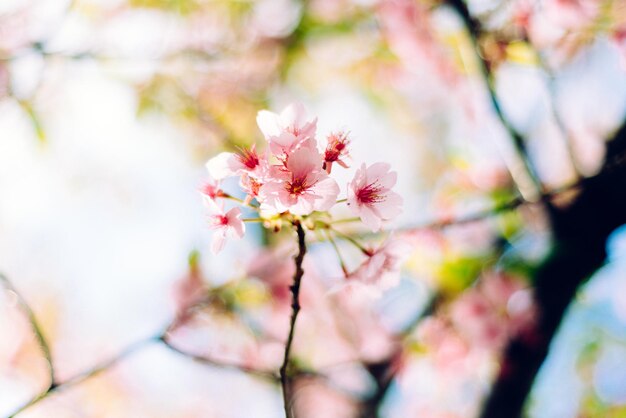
(109, 110)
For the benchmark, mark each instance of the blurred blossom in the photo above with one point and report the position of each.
(275, 18)
(381, 269)
(4, 80)
(110, 109)
(493, 312)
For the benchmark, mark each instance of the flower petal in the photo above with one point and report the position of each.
(269, 123)
(370, 219)
(220, 166)
(328, 190)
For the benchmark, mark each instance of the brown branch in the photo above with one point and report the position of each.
(295, 309)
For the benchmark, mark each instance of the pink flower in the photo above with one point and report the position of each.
(245, 161)
(225, 224)
(286, 131)
(370, 196)
(301, 186)
(251, 186)
(381, 270)
(211, 191)
(336, 150)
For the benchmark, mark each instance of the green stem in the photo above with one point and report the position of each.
(334, 244)
(354, 242)
(345, 221)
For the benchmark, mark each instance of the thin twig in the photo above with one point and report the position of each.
(559, 122)
(56, 386)
(342, 263)
(474, 29)
(81, 377)
(41, 339)
(295, 309)
(221, 364)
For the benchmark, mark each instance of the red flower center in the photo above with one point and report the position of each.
(249, 158)
(297, 186)
(372, 193)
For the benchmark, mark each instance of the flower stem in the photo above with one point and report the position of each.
(295, 309)
(352, 241)
(341, 200)
(345, 221)
(240, 201)
(334, 244)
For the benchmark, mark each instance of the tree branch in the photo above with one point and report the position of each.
(580, 234)
(295, 309)
(55, 386)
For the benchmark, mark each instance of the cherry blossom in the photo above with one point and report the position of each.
(226, 224)
(336, 150)
(285, 131)
(381, 270)
(211, 191)
(302, 186)
(370, 196)
(227, 164)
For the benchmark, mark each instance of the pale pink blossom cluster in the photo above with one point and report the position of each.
(291, 179)
(485, 317)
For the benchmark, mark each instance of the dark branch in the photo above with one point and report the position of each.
(580, 234)
(285, 379)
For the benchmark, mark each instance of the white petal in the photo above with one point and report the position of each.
(220, 166)
(218, 240)
(293, 115)
(303, 206)
(269, 123)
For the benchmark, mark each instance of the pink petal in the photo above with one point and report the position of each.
(370, 218)
(304, 161)
(388, 180)
(328, 190)
(235, 222)
(391, 206)
(282, 141)
(377, 171)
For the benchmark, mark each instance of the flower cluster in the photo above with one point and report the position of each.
(485, 317)
(291, 179)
